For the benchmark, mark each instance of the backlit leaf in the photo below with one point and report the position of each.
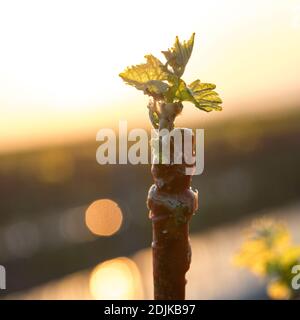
(183, 93)
(198, 86)
(163, 81)
(200, 94)
(148, 77)
(179, 55)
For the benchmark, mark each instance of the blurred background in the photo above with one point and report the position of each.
(72, 229)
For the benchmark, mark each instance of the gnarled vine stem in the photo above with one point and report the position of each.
(171, 202)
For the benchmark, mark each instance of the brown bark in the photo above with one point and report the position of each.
(171, 202)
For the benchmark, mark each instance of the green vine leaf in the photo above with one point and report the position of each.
(179, 55)
(183, 93)
(206, 99)
(200, 94)
(155, 87)
(163, 81)
(197, 86)
(148, 77)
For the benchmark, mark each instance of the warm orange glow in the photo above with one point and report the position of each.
(103, 217)
(116, 279)
(60, 81)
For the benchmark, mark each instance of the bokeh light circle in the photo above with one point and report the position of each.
(103, 217)
(116, 279)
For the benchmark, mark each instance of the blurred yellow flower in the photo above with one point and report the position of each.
(265, 240)
(290, 256)
(254, 255)
(268, 252)
(274, 234)
(278, 290)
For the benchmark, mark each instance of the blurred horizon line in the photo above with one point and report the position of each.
(88, 135)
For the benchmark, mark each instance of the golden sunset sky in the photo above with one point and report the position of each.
(60, 60)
